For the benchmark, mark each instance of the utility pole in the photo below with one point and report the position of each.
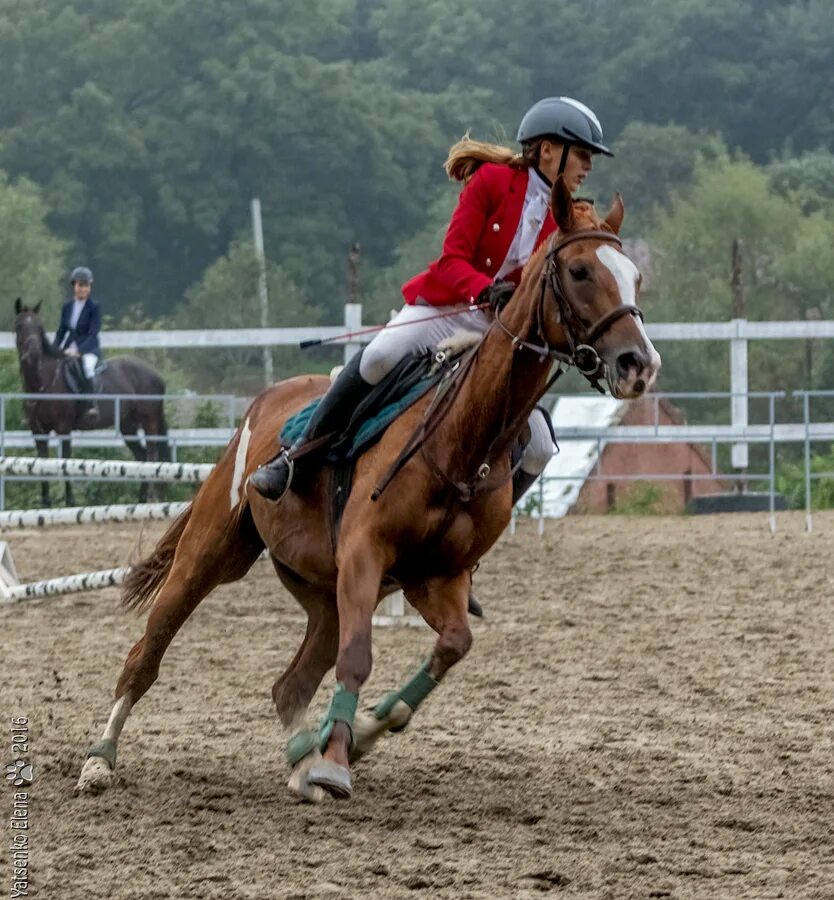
(354, 255)
(738, 362)
(258, 234)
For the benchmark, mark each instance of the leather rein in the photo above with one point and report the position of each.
(581, 354)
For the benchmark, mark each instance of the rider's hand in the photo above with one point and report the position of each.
(497, 294)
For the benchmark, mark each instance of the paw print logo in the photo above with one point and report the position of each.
(19, 773)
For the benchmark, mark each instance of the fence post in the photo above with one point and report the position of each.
(771, 401)
(738, 389)
(353, 322)
(806, 406)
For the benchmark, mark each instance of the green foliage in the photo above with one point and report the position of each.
(790, 481)
(640, 499)
(227, 297)
(149, 126)
(31, 257)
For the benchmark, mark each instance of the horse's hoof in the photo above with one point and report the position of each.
(368, 729)
(96, 776)
(333, 778)
(299, 783)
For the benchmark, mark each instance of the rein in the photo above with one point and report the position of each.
(581, 354)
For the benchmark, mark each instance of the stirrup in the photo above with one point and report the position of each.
(285, 460)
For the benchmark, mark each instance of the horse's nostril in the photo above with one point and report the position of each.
(628, 361)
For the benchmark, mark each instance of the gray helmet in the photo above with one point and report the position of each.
(568, 120)
(81, 273)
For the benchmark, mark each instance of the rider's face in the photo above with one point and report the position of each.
(578, 167)
(81, 289)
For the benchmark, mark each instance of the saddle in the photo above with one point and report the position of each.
(73, 373)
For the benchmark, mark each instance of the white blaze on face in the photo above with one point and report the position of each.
(626, 275)
(240, 463)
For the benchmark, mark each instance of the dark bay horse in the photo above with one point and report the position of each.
(439, 515)
(41, 368)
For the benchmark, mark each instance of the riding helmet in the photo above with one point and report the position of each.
(565, 119)
(81, 273)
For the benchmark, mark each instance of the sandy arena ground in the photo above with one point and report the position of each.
(646, 712)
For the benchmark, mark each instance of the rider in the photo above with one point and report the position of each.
(502, 215)
(77, 335)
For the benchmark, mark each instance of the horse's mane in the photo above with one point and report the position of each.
(585, 218)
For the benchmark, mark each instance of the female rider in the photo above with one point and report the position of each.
(502, 216)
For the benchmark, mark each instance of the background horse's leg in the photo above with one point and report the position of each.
(66, 453)
(361, 565)
(129, 432)
(443, 603)
(201, 551)
(42, 447)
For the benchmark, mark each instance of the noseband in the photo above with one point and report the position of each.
(580, 337)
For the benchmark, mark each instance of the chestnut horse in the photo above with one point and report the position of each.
(444, 508)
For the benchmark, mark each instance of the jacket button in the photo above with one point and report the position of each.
(496, 227)
(488, 262)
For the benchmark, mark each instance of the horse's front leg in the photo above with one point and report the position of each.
(443, 603)
(66, 453)
(357, 591)
(42, 447)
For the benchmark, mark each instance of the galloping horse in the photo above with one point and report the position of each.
(441, 512)
(42, 368)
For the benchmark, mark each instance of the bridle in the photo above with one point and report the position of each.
(580, 337)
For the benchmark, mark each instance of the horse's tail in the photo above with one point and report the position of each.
(146, 577)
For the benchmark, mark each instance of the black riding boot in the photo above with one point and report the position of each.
(92, 386)
(522, 482)
(272, 480)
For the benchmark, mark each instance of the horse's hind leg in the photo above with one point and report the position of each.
(66, 453)
(443, 603)
(42, 447)
(132, 442)
(205, 556)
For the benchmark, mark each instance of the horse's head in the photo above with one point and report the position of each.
(29, 331)
(588, 297)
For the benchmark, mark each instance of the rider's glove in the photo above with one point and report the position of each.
(497, 294)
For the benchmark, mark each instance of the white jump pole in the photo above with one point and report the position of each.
(105, 468)
(82, 515)
(70, 584)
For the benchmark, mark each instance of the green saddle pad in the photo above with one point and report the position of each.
(358, 439)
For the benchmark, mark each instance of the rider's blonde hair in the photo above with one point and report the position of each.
(466, 156)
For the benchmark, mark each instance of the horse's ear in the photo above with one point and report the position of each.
(614, 219)
(37, 308)
(18, 306)
(561, 204)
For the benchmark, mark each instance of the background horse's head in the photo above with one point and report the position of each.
(29, 332)
(590, 306)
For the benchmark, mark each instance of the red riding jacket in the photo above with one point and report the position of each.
(479, 236)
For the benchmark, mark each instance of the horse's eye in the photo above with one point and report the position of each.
(578, 273)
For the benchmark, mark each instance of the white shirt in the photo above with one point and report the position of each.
(75, 315)
(533, 214)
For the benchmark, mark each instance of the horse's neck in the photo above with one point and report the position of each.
(489, 411)
(37, 374)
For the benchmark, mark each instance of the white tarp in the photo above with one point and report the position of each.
(576, 458)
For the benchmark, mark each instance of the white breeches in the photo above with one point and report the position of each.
(89, 361)
(419, 329)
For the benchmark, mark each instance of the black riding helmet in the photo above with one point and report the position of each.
(566, 120)
(81, 273)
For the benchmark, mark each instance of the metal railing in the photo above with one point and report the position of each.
(769, 431)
